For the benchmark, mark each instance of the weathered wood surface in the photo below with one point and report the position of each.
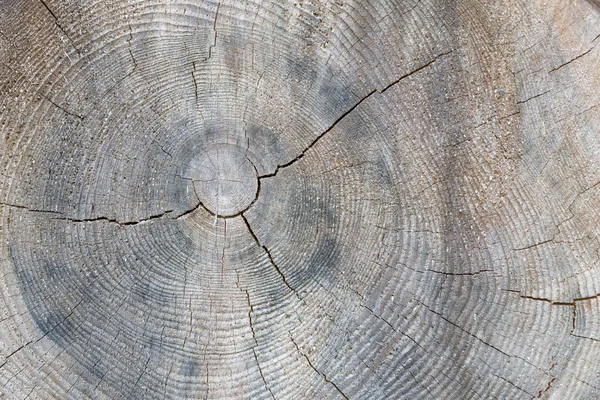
(303, 200)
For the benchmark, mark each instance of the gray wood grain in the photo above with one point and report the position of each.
(299, 200)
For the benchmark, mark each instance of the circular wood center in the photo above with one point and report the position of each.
(225, 180)
(261, 199)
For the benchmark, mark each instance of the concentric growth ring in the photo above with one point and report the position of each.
(313, 199)
(224, 179)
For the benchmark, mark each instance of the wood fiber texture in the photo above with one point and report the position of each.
(388, 199)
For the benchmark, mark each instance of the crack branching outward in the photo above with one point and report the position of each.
(193, 209)
(319, 137)
(259, 177)
(572, 303)
(561, 303)
(350, 110)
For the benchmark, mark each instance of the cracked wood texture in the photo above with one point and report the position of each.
(389, 199)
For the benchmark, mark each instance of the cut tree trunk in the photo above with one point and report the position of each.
(299, 200)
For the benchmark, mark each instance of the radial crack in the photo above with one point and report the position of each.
(513, 385)
(71, 113)
(189, 333)
(14, 352)
(462, 329)
(460, 273)
(561, 303)
(571, 60)
(572, 303)
(315, 369)
(261, 373)
(311, 144)
(114, 221)
(212, 46)
(533, 97)
(59, 26)
(129, 48)
(140, 376)
(60, 322)
(194, 80)
(250, 312)
(545, 390)
(415, 71)
(268, 253)
(29, 209)
(344, 115)
(379, 317)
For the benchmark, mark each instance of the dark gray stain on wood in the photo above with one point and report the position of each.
(405, 199)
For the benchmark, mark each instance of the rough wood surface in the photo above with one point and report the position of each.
(299, 200)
